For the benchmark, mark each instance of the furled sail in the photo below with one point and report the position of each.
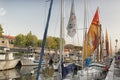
(111, 48)
(72, 22)
(107, 43)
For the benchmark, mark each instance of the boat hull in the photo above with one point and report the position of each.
(8, 64)
(28, 62)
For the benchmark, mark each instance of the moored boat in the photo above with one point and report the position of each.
(7, 60)
(29, 60)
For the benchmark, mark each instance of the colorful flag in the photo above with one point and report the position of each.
(107, 43)
(93, 37)
(72, 22)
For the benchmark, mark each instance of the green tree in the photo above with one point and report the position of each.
(20, 40)
(1, 30)
(57, 40)
(39, 43)
(31, 40)
(50, 42)
(53, 42)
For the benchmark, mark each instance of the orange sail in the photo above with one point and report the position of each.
(93, 37)
(107, 43)
(111, 48)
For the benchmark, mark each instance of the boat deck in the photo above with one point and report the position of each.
(113, 73)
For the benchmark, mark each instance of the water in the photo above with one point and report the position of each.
(26, 73)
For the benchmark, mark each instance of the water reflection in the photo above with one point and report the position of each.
(9, 74)
(27, 73)
(25, 70)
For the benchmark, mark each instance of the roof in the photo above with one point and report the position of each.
(8, 36)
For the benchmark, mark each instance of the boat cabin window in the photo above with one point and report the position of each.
(3, 41)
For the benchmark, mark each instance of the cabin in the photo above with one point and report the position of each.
(7, 41)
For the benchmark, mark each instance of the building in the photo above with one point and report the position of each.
(7, 41)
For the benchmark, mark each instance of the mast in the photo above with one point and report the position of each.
(84, 30)
(97, 44)
(97, 25)
(61, 35)
(44, 40)
(101, 44)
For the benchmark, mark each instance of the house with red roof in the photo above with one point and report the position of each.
(7, 41)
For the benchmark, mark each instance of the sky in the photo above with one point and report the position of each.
(23, 16)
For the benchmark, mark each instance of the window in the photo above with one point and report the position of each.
(3, 41)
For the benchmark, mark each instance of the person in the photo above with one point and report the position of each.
(50, 62)
(106, 69)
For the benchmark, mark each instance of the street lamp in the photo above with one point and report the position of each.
(116, 44)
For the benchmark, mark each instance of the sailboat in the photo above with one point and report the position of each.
(61, 41)
(91, 42)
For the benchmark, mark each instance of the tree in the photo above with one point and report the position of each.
(53, 42)
(1, 30)
(57, 40)
(20, 40)
(50, 42)
(39, 43)
(31, 40)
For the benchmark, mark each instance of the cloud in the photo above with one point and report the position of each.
(2, 11)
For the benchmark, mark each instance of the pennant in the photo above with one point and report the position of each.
(93, 36)
(72, 22)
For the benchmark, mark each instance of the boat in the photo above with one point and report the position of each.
(110, 74)
(29, 60)
(91, 42)
(7, 60)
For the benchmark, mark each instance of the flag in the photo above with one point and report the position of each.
(72, 22)
(107, 43)
(93, 36)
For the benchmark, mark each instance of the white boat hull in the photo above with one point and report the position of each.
(89, 73)
(28, 62)
(8, 64)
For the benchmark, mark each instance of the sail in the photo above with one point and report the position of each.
(93, 36)
(107, 43)
(110, 48)
(101, 46)
(72, 22)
